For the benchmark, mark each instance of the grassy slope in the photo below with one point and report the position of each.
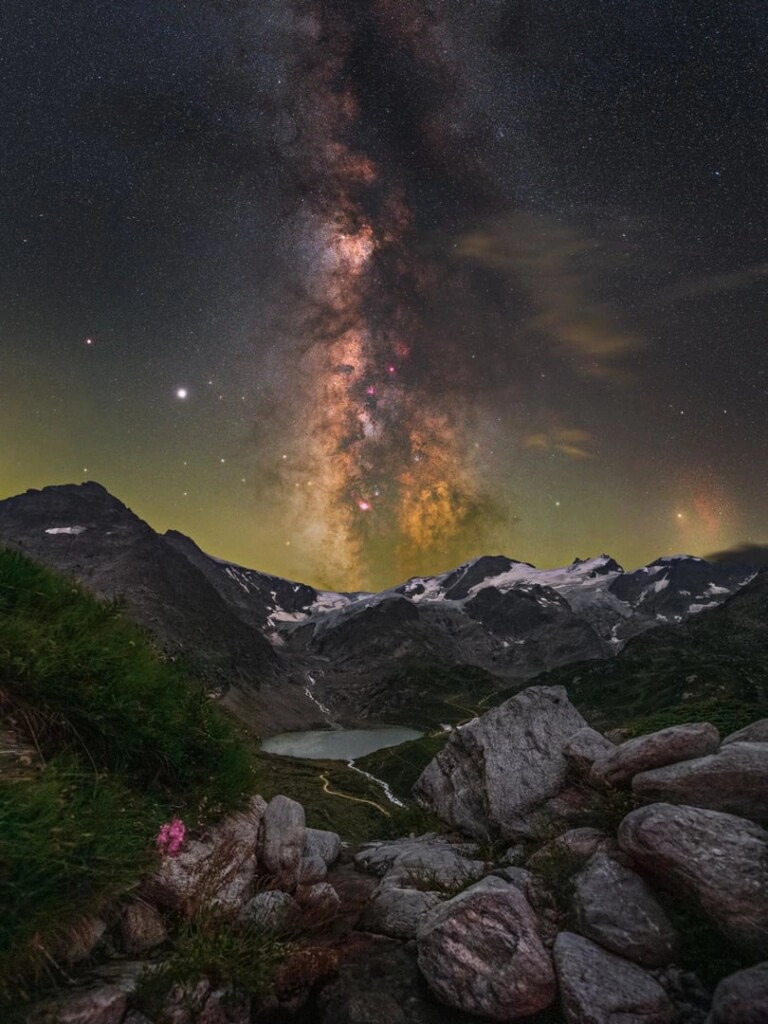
(124, 740)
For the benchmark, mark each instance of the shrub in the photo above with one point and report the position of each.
(69, 842)
(125, 740)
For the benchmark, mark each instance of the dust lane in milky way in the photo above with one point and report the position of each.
(350, 290)
(381, 464)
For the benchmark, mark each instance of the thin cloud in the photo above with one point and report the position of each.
(568, 441)
(562, 270)
(715, 284)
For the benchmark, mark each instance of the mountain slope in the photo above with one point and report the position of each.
(288, 656)
(86, 532)
(718, 658)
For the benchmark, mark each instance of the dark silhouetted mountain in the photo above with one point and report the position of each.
(84, 531)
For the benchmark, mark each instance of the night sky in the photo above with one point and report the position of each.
(351, 290)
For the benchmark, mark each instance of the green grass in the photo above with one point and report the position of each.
(239, 956)
(125, 740)
(401, 766)
(432, 692)
(94, 685)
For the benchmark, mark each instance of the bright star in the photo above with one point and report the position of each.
(181, 393)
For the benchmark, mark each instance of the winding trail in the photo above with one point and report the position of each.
(345, 796)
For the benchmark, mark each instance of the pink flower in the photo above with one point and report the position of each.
(171, 837)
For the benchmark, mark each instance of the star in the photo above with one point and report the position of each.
(182, 393)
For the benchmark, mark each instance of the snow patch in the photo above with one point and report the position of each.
(72, 531)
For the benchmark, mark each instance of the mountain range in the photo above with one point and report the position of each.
(283, 654)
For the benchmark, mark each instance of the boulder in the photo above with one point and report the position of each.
(218, 869)
(734, 780)
(668, 746)
(742, 998)
(141, 928)
(519, 877)
(282, 841)
(425, 861)
(320, 843)
(481, 953)
(222, 1007)
(718, 860)
(495, 770)
(578, 843)
(397, 912)
(184, 1002)
(598, 987)
(756, 732)
(615, 908)
(273, 909)
(81, 940)
(102, 1004)
(312, 869)
(321, 899)
(367, 1008)
(584, 748)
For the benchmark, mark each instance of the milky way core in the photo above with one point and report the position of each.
(382, 476)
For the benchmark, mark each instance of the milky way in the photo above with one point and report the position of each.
(381, 462)
(350, 290)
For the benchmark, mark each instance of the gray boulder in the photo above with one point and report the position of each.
(283, 837)
(615, 908)
(81, 940)
(718, 860)
(320, 843)
(103, 1004)
(576, 842)
(584, 748)
(742, 998)
(756, 732)
(668, 746)
(141, 928)
(272, 909)
(312, 869)
(223, 1007)
(597, 987)
(217, 870)
(398, 912)
(481, 953)
(734, 780)
(424, 861)
(495, 770)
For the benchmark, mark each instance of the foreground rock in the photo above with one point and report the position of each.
(105, 1004)
(668, 746)
(273, 909)
(217, 870)
(597, 987)
(742, 998)
(141, 928)
(481, 953)
(427, 860)
(734, 780)
(755, 732)
(398, 912)
(282, 842)
(615, 908)
(321, 843)
(717, 859)
(584, 748)
(496, 770)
